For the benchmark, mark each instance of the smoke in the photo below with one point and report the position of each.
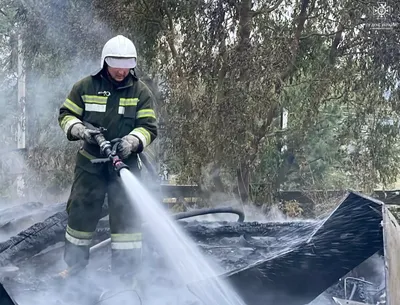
(371, 270)
(61, 45)
(48, 82)
(40, 284)
(154, 275)
(253, 212)
(18, 217)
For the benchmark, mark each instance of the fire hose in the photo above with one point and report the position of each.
(108, 149)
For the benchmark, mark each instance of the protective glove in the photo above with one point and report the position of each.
(129, 144)
(80, 131)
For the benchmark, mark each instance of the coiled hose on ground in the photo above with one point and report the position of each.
(177, 216)
(221, 210)
(188, 214)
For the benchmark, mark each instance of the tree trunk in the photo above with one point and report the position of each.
(243, 180)
(245, 26)
(217, 180)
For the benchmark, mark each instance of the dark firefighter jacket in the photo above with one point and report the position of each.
(121, 108)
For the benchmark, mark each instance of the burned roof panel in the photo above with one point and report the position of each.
(350, 235)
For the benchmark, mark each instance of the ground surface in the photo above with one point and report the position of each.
(233, 245)
(224, 242)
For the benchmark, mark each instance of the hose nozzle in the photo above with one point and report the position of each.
(118, 165)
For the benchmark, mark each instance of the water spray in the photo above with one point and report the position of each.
(108, 149)
(64, 274)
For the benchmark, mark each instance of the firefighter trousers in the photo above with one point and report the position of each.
(84, 206)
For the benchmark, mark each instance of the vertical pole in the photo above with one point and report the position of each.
(21, 138)
(281, 148)
(284, 123)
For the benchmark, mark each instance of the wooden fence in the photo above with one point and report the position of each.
(390, 197)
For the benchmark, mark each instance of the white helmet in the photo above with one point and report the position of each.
(119, 52)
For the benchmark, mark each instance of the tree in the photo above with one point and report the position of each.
(225, 69)
(231, 73)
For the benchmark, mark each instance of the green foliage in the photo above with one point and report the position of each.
(225, 70)
(292, 209)
(395, 210)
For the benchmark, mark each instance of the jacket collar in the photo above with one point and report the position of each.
(124, 84)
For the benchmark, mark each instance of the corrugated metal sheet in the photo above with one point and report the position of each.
(391, 235)
(5, 298)
(349, 236)
(347, 302)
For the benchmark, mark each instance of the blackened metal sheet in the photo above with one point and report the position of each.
(391, 232)
(5, 298)
(350, 235)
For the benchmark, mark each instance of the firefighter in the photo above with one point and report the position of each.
(116, 99)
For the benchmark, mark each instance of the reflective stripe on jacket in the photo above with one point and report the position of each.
(120, 108)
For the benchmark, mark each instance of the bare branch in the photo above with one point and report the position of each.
(265, 10)
(236, 5)
(171, 39)
(145, 5)
(335, 97)
(149, 20)
(295, 44)
(335, 43)
(310, 81)
(312, 7)
(318, 35)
